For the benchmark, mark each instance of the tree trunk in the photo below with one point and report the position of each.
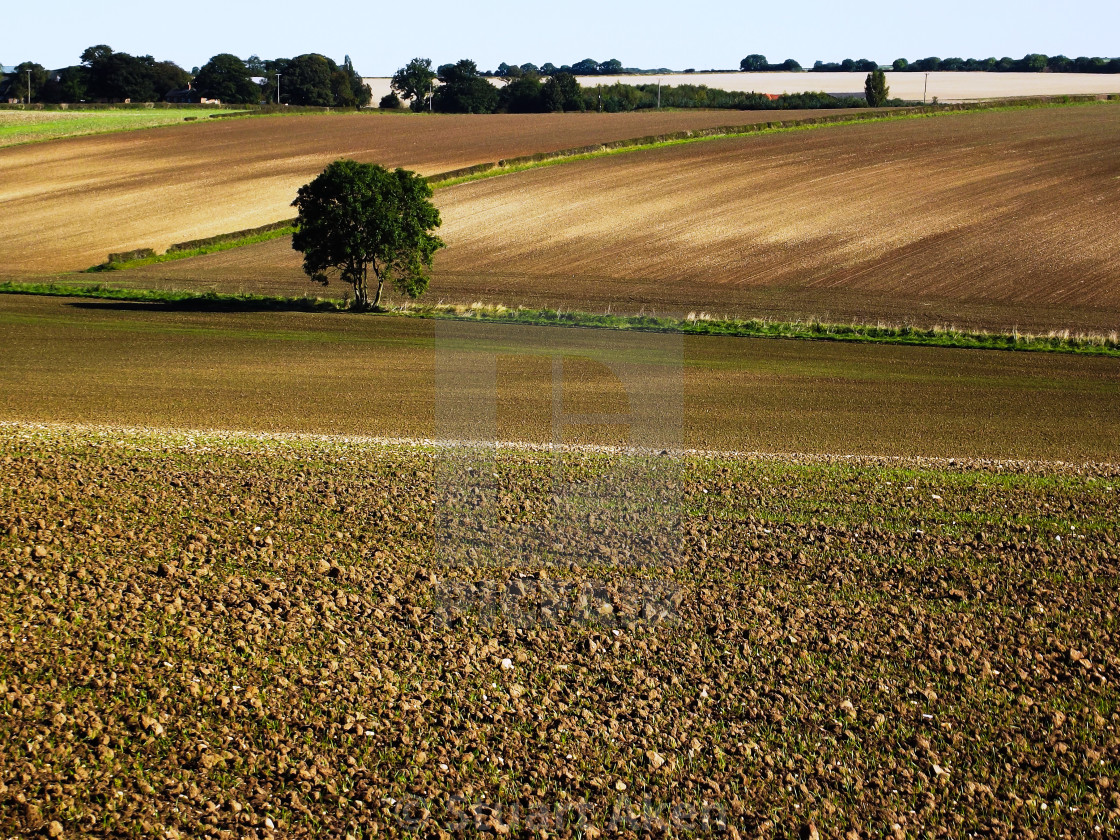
(380, 284)
(362, 290)
(360, 298)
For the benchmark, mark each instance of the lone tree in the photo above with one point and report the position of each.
(875, 88)
(359, 217)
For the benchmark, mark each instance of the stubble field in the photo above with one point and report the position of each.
(994, 220)
(946, 86)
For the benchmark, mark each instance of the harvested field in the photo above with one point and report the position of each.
(216, 636)
(994, 220)
(148, 365)
(946, 86)
(96, 195)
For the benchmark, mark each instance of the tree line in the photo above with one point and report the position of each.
(108, 76)
(464, 89)
(586, 67)
(1030, 63)
(461, 88)
(622, 97)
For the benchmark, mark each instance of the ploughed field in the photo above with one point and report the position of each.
(70, 203)
(149, 365)
(216, 635)
(994, 220)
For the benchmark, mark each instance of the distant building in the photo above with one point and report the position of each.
(190, 96)
(6, 83)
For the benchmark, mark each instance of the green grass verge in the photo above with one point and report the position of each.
(175, 299)
(813, 330)
(35, 126)
(1063, 341)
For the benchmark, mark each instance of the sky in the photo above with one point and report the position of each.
(702, 34)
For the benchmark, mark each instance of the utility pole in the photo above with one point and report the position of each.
(925, 88)
(659, 94)
(278, 88)
(28, 87)
(430, 95)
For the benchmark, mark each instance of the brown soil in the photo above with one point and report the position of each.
(67, 204)
(212, 636)
(994, 220)
(1013, 212)
(138, 364)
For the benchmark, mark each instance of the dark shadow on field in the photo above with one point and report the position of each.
(203, 305)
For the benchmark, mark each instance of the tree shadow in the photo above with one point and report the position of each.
(206, 305)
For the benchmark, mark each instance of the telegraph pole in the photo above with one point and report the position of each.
(28, 87)
(925, 88)
(278, 88)
(659, 94)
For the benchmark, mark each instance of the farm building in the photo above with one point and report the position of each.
(190, 96)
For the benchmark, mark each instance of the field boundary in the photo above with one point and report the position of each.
(522, 163)
(196, 247)
(700, 324)
(176, 299)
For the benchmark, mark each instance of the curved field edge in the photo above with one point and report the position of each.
(493, 169)
(1064, 341)
(259, 635)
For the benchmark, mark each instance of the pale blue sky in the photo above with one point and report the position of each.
(703, 34)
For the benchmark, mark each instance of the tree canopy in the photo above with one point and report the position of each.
(463, 90)
(522, 95)
(313, 79)
(116, 76)
(562, 93)
(29, 85)
(412, 81)
(756, 63)
(355, 218)
(875, 88)
(226, 77)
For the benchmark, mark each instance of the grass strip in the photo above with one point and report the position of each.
(218, 243)
(25, 127)
(177, 299)
(1057, 341)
